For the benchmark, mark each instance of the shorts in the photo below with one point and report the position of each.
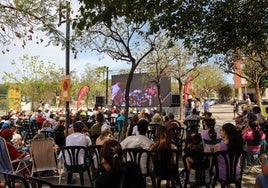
(262, 180)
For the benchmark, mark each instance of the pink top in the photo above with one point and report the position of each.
(249, 136)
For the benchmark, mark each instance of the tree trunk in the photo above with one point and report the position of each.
(125, 124)
(159, 98)
(181, 100)
(258, 94)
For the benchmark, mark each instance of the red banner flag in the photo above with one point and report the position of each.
(81, 93)
(187, 87)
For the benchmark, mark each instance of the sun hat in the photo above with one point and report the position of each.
(7, 133)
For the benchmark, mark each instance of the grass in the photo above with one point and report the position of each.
(263, 110)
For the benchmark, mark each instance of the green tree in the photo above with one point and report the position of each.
(24, 19)
(183, 67)
(158, 64)
(94, 77)
(122, 41)
(225, 92)
(209, 80)
(38, 80)
(211, 27)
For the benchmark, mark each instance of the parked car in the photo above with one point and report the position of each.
(213, 101)
(264, 102)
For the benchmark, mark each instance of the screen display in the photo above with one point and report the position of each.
(143, 92)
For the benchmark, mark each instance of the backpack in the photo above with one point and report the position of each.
(132, 176)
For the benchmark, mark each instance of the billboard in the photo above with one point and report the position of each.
(143, 92)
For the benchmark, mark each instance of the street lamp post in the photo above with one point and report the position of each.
(107, 74)
(67, 62)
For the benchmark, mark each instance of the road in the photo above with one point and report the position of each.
(223, 113)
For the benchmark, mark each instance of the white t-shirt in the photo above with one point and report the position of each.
(78, 139)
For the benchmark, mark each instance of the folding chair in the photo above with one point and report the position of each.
(253, 157)
(6, 165)
(47, 162)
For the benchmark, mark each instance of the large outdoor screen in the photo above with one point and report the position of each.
(143, 92)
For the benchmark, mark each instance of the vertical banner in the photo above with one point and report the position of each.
(81, 93)
(65, 88)
(187, 87)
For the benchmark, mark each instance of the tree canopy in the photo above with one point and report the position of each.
(26, 19)
(209, 26)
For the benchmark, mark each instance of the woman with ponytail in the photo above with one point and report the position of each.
(111, 160)
(210, 133)
(233, 143)
(232, 139)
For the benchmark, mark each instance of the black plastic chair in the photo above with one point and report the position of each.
(234, 168)
(140, 156)
(39, 183)
(192, 125)
(176, 137)
(12, 179)
(166, 166)
(48, 134)
(151, 134)
(201, 166)
(211, 143)
(72, 163)
(93, 139)
(94, 151)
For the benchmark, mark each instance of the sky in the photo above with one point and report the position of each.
(57, 56)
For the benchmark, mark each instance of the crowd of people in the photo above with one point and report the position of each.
(103, 127)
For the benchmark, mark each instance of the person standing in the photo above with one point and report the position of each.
(236, 106)
(117, 94)
(206, 105)
(197, 105)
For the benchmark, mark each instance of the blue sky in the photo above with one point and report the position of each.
(57, 56)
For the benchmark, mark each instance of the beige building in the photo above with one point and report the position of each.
(240, 86)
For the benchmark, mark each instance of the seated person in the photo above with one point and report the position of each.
(209, 133)
(7, 134)
(252, 132)
(105, 135)
(262, 179)
(112, 162)
(194, 157)
(172, 122)
(233, 143)
(192, 116)
(208, 115)
(46, 126)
